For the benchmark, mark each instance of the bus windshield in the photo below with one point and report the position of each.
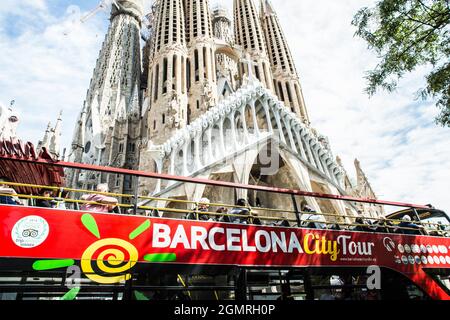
(435, 218)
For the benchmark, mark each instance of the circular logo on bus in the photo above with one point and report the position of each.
(424, 260)
(30, 232)
(407, 248)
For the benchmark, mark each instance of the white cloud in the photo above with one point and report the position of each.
(403, 153)
(47, 67)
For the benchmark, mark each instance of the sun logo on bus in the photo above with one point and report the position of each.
(107, 261)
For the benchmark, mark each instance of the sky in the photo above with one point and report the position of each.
(47, 58)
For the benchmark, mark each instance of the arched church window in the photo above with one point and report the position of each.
(174, 72)
(188, 74)
(288, 89)
(205, 65)
(165, 71)
(156, 82)
(87, 147)
(280, 91)
(196, 66)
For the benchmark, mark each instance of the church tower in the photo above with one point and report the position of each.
(286, 80)
(108, 127)
(201, 75)
(167, 75)
(249, 35)
(227, 69)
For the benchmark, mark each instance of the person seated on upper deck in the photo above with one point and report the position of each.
(282, 223)
(441, 230)
(61, 203)
(223, 218)
(383, 225)
(200, 212)
(362, 225)
(240, 212)
(311, 219)
(408, 227)
(334, 226)
(45, 203)
(7, 194)
(256, 220)
(104, 203)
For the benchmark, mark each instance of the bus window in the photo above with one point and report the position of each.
(395, 286)
(442, 277)
(436, 223)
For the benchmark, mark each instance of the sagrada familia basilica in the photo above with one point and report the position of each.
(208, 96)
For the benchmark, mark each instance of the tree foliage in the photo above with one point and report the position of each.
(407, 34)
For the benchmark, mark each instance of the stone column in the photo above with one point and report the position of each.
(300, 145)
(291, 138)
(255, 119)
(197, 161)
(280, 127)
(185, 157)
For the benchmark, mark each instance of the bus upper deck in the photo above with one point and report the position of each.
(151, 250)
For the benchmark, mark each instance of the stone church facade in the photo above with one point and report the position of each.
(209, 96)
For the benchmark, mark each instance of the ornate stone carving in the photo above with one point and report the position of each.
(208, 95)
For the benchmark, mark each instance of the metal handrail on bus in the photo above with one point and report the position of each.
(160, 176)
(154, 175)
(249, 217)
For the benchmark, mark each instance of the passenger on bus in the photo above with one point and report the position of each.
(311, 220)
(304, 207)
(408, 227)
(383, 225)
(335, 226)
(283, 223)
(223, 218)
(47, 202)
(103, 203)
(256, 221)
(361, 225)
(7, 194)
(200, 212)
(441, 229)
(61, 200)
(240, 212)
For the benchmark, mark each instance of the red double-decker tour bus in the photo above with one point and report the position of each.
(148, 250)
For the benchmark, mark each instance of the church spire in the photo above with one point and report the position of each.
(116, 75)
(167, 74)
(249, 35)
(45, 143)
(286, 80)
(202, 82)
(55, 139)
